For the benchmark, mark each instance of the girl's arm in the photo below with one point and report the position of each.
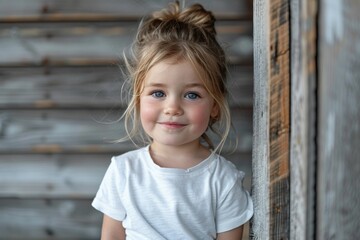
(112, 229)
(234, 234)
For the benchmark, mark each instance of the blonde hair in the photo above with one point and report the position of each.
(180, 34)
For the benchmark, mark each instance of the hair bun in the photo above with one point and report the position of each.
(194, 15)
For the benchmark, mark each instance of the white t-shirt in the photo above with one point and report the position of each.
(166, 203)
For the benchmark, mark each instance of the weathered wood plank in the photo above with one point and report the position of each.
(48, 219)
(89, 87)
(68, 44)
(279, 125)
(96, 43)
(68, 176)
(49, 116)
(260, 151)
(52, 10)
(52, 175)
(303, 119)
(60, 131)
(241, 86)
(271, 120)
(81, 131)
(338, 168)
(49, 196)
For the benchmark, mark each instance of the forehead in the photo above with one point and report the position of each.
(171, 69)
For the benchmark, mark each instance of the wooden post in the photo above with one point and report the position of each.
(338, 205)
(271, 120)
(279, 119)
(260, 173)
(303, 118)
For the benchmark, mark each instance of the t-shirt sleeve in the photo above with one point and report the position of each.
(236, 208)
(107, 199)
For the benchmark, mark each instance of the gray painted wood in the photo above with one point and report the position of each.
(338, 205)
(260, 180)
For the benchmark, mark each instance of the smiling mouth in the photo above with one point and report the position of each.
(173, 125)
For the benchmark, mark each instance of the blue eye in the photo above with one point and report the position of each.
(192, 96)
(158, 94)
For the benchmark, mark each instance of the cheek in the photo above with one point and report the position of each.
(201, 116)
(147, 112)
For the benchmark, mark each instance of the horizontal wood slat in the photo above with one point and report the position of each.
(81, 131)
(67, 176)
(83, 87)
(64, 44)
(60, 131)
(97, 10)
(48, 219)
(95, 44)
(52, 175)
(89, 87)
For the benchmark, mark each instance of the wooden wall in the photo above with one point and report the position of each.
(312, 48)
(60, 85)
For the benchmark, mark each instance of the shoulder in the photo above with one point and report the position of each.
(234, 206)
(225, 174)
(131, 161)
(226, 169)
(132, 156)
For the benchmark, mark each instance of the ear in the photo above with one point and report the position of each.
(215, 111)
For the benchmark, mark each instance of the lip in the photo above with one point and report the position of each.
(172, 125)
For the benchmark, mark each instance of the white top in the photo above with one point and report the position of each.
(167, 203)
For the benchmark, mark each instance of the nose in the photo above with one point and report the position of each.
(173, 107)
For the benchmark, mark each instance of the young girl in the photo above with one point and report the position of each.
(177, 186)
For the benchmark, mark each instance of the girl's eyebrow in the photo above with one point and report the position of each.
(164, 85)
(195, 85)
(155, 85)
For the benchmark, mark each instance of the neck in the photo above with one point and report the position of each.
(183, 157)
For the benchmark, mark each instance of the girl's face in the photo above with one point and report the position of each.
(175, 107)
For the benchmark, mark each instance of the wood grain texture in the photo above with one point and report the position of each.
(60, 85)
(260, 170)
(68, 176)
(90, 87)
(97, 10)
(303, 119)
(338, 206)
(64, 43)
(100, 43)
(279, 119)
(48, 219)
(82, 131)
(53, 176)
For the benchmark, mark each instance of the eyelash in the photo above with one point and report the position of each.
(193, 95)
(155, 93)
(196, 95)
